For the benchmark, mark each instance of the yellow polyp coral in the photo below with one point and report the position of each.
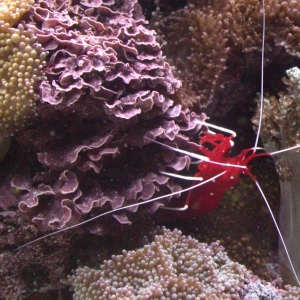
(22, 60)
(11, 11)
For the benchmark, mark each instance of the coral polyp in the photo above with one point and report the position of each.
(22, 60)
(11, 11)
(21, 64)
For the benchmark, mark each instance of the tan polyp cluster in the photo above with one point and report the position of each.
(12, 10)
(197, 40)
(202, 39)
(172, 267)
(21, 63)
(196, 48)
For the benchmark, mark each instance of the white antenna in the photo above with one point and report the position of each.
(262, 76)
(277, 227)
(129, 206)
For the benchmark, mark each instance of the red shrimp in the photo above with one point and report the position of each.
(206, 198)
(219, 171)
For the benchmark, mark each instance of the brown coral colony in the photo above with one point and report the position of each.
(214, 48)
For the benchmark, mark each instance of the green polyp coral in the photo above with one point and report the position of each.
(22, 61)
(281, 130)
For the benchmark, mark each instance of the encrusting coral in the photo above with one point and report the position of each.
(21, 62)
(280, 130)
(173, 266)
(219, 47)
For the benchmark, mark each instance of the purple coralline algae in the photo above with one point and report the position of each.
(83, 152)
(107, 87)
